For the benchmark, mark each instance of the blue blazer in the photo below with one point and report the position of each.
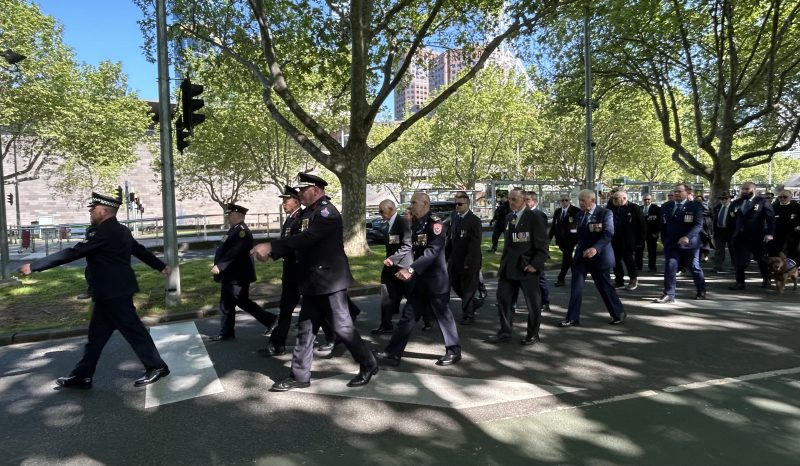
(596, 232)
(687, 221)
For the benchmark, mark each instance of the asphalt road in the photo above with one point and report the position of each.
(701, 382)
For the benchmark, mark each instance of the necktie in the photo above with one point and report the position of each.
(745, 206)
(457, 226)
(677, 208)
(563, 215)
(723, 212)
(512, 227)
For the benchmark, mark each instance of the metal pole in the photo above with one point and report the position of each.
(587, 58)
(16, 181)
(173, 285)
(4, 255)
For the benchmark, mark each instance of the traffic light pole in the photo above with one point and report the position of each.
(4, 255)
(173, 285)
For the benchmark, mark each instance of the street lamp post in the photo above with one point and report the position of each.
(12, 58)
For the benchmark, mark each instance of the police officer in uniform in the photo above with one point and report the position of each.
(324, 278)
(290, 290)
(108, 248)
(235, 270)
(429, 286)
(564, 229)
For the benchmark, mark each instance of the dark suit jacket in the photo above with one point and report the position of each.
(629, 226)
(464, 243)
(527, 245)
(291, 227)
(652, 220)
(322, 266)
(757, 222)
(687, 221)
(724, 232)
(107, 248)
(232, 257)
(562, 229)
(595, 232)
(398, 246)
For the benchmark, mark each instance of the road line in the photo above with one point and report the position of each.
(435, 390)
(192, 373)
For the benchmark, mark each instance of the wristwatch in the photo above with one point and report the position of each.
(411, 270)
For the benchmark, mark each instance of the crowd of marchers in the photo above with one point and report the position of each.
(427, 257)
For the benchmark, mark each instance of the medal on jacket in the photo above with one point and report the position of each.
(421, 240)
(394, 239)
(521, 237)
(755, 207)
(595, 227)
(688, 218)
(304, 225)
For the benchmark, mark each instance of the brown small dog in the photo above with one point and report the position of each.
(781, 273)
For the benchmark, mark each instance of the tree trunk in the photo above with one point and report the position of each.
(353, 178)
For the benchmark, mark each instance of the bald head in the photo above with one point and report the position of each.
(420, 204)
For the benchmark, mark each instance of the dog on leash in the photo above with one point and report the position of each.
(782, 270)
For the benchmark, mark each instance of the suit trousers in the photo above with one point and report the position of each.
(499, 228)
(673, 258)
(411, 313)
(651, 244)
(465, 284)
(233, 295)
(602, 281)
(117, 314)
(327, 322)
(743, 249)
(567, 251)
(314, 310)
(624, 254)
(392, 291)
(290, 297)
(506, 291)
(721, 243)
(544, 292)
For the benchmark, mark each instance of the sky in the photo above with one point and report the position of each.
(106, 30)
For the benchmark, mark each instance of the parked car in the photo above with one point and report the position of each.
(376, 226)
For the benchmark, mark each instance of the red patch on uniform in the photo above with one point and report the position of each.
(437, 228)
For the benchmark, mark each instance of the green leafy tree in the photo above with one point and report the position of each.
(404, 165)
(357, 52)
(78, 123)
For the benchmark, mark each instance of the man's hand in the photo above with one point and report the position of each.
(25, 269)
(589, 253)
(404, 275)
(768, 238)
(166, 271)
(261, 251)
(388, 262)
(684, 240)
(529, 269)
(215, 270)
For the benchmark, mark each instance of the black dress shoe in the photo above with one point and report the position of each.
(618, 320)
(287, 384)
(222, 337)
(270, 351)
(151, 376)
(325, 347)
(765, 284)
(546, 308)
(498, 338)
(386, 359)
(700, 294)
(666, 299)
(363, 377)
(651, 269)
(737, 287)
(569, 323)
(528, 341)
(74, 382)
(381, 330)
(559, 283)
(448, 359)
(427, 326)
(467, 321)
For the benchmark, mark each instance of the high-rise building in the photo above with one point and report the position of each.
(410, 96)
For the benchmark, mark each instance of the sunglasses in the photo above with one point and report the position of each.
(564, 200)
(461, 203)
(784, 197)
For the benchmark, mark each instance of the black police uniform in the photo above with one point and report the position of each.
(429, 287)
(108, 248)
(290, 288)
(324, 276)
(464, 261)
(236, 272)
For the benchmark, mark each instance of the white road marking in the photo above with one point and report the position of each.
(435, 390)
(192, 373)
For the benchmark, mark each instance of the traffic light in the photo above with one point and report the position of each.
(189, 104)
(10, 199)
(181, 134)
(119, 192)
(131, 197)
